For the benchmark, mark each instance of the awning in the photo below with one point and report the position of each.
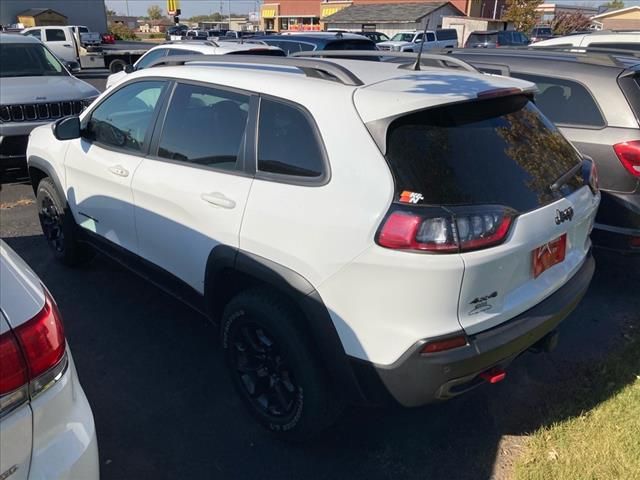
(330, 10)
(269, 13)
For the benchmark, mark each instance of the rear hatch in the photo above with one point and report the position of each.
(508, 188)
(482, 40)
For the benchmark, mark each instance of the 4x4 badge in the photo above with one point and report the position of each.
(564, 215)
(481, 304)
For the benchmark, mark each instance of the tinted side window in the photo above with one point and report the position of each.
(431, 37)
(124, 118)
(35, 33)
(350, 45)
(617, 45)
(149, 57)
(564, 101)
(55, 35)
(205, 126)
(287, 143)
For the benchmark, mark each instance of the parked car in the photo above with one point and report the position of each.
(194, 47)
(595, 101)
(597, 39)
(35, 88)
(46, 424)
(176, 32)
(377, 37)
(410, 41)
(496, 38)
(540, 33)
(308, 42)
(412, 260)
(108, 39)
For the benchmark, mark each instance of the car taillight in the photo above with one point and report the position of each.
(629, 155)
(457, 229)
(590, 174)
(32, 356)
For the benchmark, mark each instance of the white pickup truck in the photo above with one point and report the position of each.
(410, 41)
(77, 44)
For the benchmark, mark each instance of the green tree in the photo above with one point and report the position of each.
(614, 5)
(154, 12)
(522, 13)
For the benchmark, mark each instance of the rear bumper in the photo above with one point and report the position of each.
(617, 225)
(417, 379)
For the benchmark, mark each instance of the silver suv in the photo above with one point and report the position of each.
(35, 88)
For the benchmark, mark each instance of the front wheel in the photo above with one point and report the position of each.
(273, 367)
(57, 224)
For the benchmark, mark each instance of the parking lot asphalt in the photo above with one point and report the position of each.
(165, 408)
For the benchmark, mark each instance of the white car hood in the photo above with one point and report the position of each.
(14, 90)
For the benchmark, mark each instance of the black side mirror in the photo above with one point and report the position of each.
(128, 69)
(67, 128)
(73, 67)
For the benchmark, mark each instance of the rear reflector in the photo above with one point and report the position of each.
(444, 344)
(629, 155)
(494, 375)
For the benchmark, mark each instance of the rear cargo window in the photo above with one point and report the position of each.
(481, 38)
(564, 101)
(498, 151)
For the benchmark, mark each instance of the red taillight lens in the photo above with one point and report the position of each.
(444, 344)
(629, 155)
(13, 369)
(462, 230)
(42, 339)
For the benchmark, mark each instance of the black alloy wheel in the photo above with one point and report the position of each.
(51, 221)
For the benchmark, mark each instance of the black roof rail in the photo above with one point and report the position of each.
(443, 60)
(311, 68)
(209, 43)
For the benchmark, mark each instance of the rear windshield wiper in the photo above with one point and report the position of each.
(564, 178)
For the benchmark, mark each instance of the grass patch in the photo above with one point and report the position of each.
(595, 432)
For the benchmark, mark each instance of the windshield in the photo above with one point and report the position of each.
(501, 152)
(402, 37)
(28, 60)
(542, 31)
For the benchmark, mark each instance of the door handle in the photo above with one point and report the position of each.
(218, 199)
(66, 45)
(119, 170)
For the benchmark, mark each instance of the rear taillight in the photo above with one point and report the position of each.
(32, 356)
(590, 174)
(629, 155)
(457, 229)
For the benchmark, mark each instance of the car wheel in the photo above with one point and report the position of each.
(58, 226)
(273, 367)
(116, 66)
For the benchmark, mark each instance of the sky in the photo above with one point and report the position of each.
(206, 7)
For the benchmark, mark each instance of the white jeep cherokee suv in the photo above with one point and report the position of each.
(361, 231)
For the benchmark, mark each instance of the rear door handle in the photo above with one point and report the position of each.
(119, 170)
(218, 199)
(66, 45)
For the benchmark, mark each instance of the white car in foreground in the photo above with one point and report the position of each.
(46, 424)
(195, 47)
(360, 230)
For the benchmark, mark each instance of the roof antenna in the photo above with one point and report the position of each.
(416, 66)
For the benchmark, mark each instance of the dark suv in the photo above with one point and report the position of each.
(497, 38)
(594, 98)
(318, 41)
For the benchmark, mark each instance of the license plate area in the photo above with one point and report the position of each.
(549, 254)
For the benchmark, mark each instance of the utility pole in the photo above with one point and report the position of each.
(127, 4)
(495, 8)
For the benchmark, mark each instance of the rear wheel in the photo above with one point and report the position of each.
(273, 368)
(117, 65)
(58, 226)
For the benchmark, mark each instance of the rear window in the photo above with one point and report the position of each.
(564, 101)
(447, 34)
(483, 38)
(542, 31)
(495, 152)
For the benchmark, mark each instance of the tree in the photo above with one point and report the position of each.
(614, 5)
(154, 12)
(522, 13)
(565, 23)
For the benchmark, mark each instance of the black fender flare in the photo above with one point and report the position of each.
(45, 167)
(316, 320)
